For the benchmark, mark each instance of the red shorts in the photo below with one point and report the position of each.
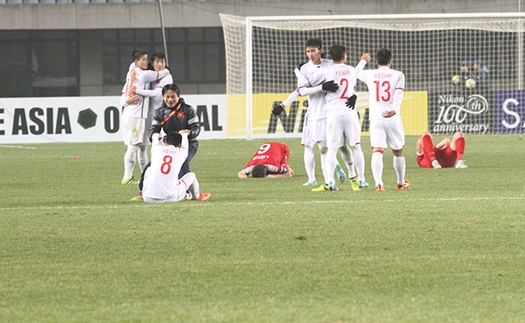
(446, 158)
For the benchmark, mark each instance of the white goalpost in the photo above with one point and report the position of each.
(463, 71)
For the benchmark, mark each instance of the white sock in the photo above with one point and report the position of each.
(309, 163)
(400, 167)
(192, 184)
(322, 148)
(359, 162)
(348, 158)
(331, 160)
(143, 157)
(129, 161)
(377, 167)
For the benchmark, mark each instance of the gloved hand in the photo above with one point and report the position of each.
(278, 108)
(330, 86)
(350, 102)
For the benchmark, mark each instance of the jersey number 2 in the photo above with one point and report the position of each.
(383, 91)
(345, 83)
(165, 167)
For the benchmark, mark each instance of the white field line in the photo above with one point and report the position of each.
(135, 204)
(17, 147)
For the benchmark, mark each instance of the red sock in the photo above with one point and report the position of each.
(428, 147)
(460, 148)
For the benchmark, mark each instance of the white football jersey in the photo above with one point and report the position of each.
(154, 92)
(386, 87)
(346, 77)
(143, 78)
(162, 177)
(315, 77)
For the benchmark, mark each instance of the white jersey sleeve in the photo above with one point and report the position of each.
(148, 76)
(398, 93)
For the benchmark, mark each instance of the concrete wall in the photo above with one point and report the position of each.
(91, 17)
(205, 14)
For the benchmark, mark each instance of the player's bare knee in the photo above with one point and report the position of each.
(397, 152)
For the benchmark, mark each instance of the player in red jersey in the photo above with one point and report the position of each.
(447, 153)
(270, 160)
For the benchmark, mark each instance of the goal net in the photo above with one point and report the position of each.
(463, 71)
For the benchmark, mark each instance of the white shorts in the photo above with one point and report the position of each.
(133, 130)
(341, 128)
(178, 195)
(387, 132)
(307, 138)
(319, 131)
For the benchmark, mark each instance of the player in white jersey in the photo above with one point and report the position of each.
(343, 124)
(135, 111)
(314, 127)
(161, 183)
(386, 87)
(153, 92)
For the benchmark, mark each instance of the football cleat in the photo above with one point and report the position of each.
(436, 164)
(332, 187)
(404, 186)
(321, 188)
(325, 187)
(204, 196)
(130, 181)
(137, 197)
(354, 183)
(363, 184)
(340, 173)
(312, 183)
(461, 164)
(380, 188)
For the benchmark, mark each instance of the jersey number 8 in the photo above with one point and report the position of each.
(165, 167)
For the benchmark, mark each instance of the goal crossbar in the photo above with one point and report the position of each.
(252, 34)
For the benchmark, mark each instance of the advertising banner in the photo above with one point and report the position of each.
(414, 112)
(509, 112)
(89, 119)
(465, 111)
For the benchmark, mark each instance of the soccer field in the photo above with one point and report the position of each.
(74, 247)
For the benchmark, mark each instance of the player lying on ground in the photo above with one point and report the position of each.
(446, 153)
(270, 161)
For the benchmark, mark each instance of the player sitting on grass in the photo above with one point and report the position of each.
(445, 154)
(161, 183)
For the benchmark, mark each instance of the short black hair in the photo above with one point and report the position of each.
(383, 56)
(258, 171)
(174, 138)
(314, 42)
(172, 87)
(337, 52)
(158, 56)
(137, 54)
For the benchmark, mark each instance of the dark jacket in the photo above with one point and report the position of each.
(184, 118)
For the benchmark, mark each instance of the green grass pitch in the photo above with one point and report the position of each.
(74, 248)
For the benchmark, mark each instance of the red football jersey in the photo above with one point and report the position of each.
(273, 155)
(446, 158)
